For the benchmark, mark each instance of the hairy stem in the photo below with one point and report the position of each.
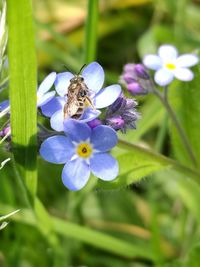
(164, 99)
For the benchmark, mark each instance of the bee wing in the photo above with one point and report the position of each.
(71, 107)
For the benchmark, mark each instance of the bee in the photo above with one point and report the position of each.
(78, 98)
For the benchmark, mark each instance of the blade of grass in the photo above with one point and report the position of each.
(3, 218)
(91, 237)
(22, 64)
(91, 31)
(3, 163)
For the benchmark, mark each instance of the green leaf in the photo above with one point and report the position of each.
(193, 257)
(89, 236)
(101, 240)
(189, 192)
(184, 97)
(140, 162)
(22, 64)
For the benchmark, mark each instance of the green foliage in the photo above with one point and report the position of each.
(3, 218)
(3, 163)
(91, 31)
(185, 100)
(193, 257)
(148, 216)
(22, 64)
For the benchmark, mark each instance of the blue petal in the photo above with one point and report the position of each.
(44, 99)
(76, 130)
(75, 174)
(107, 96)
(93, 76)
(4, 105)
(89, 115)
(103, 138)
(57, 149)
(104, 166)
(62, 82)
(55, 104)
(57, 121)
(47, 83)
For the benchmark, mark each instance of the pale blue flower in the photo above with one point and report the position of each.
(4, 105)
(43, 94)
(168, 65)
(83, 150)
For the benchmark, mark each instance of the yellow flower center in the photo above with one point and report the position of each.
(170, 66)
(84, 150)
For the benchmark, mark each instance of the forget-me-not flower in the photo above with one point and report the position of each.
(168, 65)
(83, 150)
(93, 75)
(43, 94)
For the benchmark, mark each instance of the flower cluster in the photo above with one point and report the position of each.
(136, 78)
(81, 144)
(122, 115)
(82, 141)
(167, 66)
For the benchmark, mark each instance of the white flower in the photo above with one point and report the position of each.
(168, 65)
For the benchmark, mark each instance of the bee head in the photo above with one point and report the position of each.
(77, 79)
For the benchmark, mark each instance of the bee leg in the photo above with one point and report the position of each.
(88, 103)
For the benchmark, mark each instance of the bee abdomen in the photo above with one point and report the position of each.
(78, 113)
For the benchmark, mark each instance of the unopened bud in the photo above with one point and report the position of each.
(116, 122)
(141, 72)
(136, 89)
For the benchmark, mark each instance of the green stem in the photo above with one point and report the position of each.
(91, 31)
(164, 99)
(162, 134)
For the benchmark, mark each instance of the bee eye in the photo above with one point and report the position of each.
(82, 79)
(82, 93)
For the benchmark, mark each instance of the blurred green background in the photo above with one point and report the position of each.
(160, 213)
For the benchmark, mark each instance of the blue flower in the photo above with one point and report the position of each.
(93, 76)
(83, 150)
(4, 105)
(43, 94)
(4, 108)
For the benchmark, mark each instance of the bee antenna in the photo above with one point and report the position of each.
(67, 68)
(81, 69)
